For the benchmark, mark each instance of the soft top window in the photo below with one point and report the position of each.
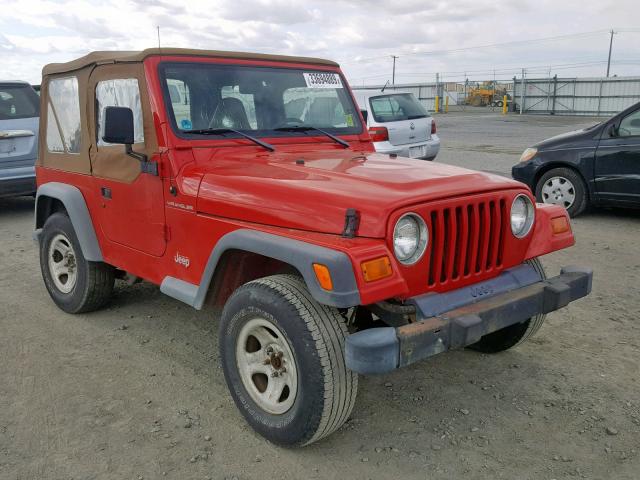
(258, 100)
(396, 107)
(63, 117)
(18, 101)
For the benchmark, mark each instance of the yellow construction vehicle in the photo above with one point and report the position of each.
(486, 93)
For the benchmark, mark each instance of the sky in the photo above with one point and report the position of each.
(568, 38)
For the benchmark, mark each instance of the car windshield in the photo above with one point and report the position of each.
(396, 107)
(18, 101)
(261, 101)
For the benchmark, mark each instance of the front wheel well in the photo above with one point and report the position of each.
(548, 167)
(237, 267)
(47, 206)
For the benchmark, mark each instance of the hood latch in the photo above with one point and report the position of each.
(351, 223)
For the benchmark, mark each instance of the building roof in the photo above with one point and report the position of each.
(105, 57)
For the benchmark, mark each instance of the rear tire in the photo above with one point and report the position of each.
(516, 334)
(75, 284)
(274, 322)
(571, 190)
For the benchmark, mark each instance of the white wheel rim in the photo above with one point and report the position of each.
(267, 366)
(559, 191)
(62, 263)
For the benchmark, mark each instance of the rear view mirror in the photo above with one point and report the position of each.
(118, 125)
(365, 115)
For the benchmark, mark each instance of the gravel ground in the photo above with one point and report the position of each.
(136, 391)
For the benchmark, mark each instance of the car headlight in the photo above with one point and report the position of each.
(522, 216)
(528, 154)
(410, 238)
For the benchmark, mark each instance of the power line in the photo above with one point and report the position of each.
(475, 47)
(530, 69)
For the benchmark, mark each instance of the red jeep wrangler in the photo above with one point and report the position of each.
(249, 181)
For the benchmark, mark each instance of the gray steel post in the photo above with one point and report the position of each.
(522, 93)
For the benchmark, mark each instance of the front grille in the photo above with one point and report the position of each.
(466, 240)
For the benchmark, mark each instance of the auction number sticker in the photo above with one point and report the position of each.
(322, 80)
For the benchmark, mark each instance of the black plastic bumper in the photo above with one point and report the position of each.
(380, 350)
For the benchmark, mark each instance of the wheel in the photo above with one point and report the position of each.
(563, 186)
(283, 359)
(512, 335)
(75, 284)
(499, 103)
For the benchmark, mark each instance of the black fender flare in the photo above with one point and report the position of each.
(75, 205)
(300, 255)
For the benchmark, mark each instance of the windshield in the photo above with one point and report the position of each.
(18, 101)
(259, 101)
(396, 107)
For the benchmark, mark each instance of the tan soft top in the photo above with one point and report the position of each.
(104, 57)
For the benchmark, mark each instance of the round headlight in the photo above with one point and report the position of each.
(410, 238)
(522, 216)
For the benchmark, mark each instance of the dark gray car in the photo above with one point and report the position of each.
(19, 117)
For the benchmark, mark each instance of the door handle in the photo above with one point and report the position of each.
(106, 192)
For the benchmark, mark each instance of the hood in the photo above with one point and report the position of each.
(576, 138)
(278, 189)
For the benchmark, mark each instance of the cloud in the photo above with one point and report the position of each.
(360, 34)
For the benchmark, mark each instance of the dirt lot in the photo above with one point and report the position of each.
(136, 391)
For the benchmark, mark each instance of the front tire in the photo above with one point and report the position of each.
(283, 359)
(75, 284)
(513, 335)
(565, 187)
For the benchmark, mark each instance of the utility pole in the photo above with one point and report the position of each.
(610, 46)
(393, 75)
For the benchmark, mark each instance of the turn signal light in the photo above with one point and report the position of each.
(376, 269)
(323, 275)
(379, 134)
(559, 225)
(433, 127)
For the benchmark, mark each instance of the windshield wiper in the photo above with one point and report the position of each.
(222, 131)
(306, 128)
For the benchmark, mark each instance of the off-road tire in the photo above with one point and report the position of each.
(95, 280)
(326, 389)
(512, 335)
(581, 201)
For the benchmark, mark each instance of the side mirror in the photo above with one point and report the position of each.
(365, 115)
(118, 125)
(118, 128)
(613, 131)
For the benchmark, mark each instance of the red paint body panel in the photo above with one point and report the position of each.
(225, 184)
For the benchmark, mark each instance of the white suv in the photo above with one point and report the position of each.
(399, 124)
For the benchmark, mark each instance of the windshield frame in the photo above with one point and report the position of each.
(357, 130)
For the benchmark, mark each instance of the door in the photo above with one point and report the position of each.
(132, 202)
(617, 168)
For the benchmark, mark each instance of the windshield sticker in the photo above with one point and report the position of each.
(349, 119)
(322, 80)
(185, 124)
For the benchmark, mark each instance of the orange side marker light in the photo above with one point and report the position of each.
(323, 275)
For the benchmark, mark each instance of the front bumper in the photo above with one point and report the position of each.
(449, 321)
(525, 172)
